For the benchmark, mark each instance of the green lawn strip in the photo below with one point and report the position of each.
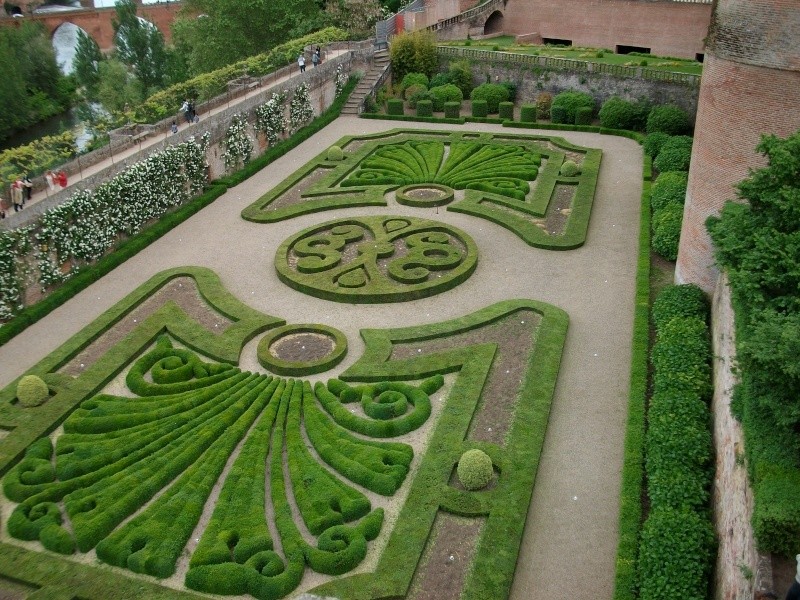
(301, 368)
(29, 424)
(630, 511)
(505, 506)
(62, 579)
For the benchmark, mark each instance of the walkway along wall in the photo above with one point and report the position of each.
(535, 74)
(321, 90)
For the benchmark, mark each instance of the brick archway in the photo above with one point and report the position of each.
(494, 24)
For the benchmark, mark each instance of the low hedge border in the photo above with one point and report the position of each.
(301, 368)
(505, 506)
(630, 509)
(132, 246)
(402, 197)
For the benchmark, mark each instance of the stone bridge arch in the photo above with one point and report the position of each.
(494, 24)
(64, 40)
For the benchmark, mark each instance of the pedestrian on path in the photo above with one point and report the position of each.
(61, 177)
(315, 58)
(50, 179)
(16, 195)
(794, 591)
(302, 62)
(185, 111)
(27, 191)
(318, 54)
(174, 128)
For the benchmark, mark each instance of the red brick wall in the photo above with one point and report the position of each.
(739, 101)
(667, 28)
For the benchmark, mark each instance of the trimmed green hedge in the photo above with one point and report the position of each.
(669, 119)
(528, 113)
(583, 115)
(506, 110)
(302, 367)
(452, 110)
(564, 108)
(667, 230)
(424, 108)
(669, 188)
(491, 93)
(480, 108)
(394, 106)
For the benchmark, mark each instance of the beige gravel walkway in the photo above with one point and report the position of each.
(571, 534)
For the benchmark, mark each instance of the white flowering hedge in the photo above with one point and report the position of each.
(237, 142)
(270, 118)
(300, 111)
(340, 79)
(85, 226)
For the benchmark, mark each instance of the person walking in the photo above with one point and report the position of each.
(50, 179)
(794, 591)
(185, 111)
(27, 188)
(315, 58)
(318, 53)
(173, 128)
(61, 177)
(16, 195)
(302, 62)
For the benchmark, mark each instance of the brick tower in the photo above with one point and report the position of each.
(750, 86)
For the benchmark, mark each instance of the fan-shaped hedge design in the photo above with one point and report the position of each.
(494, 168)
(161, 452)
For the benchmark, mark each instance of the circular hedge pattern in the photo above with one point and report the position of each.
(376, 259)
(424, 195)
(299, 350)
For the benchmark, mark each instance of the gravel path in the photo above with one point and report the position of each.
(570, 539)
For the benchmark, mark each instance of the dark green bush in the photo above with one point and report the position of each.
(673, 159)
(424, 108)
(653, 143)
(460, 74)
(680, 142)
(394, 106)
(57, 539)
(668, 188)
(441, 79)
(682, 357)
(506, 110)
(583, 115)
(776, 515)
(571, 102)
(413, 89)
(452, 110)
(680, 301)
(675, 556)
(445, 93)
(558, 114)
(669, 119)
(32, 391)
(667, 231)
(479, 108)
(512, 90)
(492, 93)
(527, 113)
(617, 113)
(414, 79)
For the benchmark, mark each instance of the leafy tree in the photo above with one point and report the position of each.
(140, 45)
(86, 64)
(357, 17)
(118, 88)
(413, 53)
(215, 33)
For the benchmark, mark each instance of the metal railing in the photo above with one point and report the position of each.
(566, 64)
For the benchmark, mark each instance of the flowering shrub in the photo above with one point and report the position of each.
(270, 117)
(237, 143)
(340, 79)
(86, 225)
(14, 245)
(300, 111)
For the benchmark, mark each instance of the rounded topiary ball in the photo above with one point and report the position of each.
(570, 169)
(475, 469)
(335, 153)
(32, 391)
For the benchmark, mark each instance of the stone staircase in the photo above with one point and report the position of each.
(367, 83)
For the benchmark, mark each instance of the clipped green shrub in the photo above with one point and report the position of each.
(32, 391)
(669, 188)
(512, 90)
(675, 556)
(669, 119)
(440, 79)
(452, 110)
(667, 231)
(653, 143)
(686, 300)
(394, 106)
(479, 108)
(673, 159)
(418, 97)
(571, 102)
(475, 469)
(681, 357)
(413, 90)
(680, 142)
(528, 113)
(558, 114)
(776, 514)
(506, 110)
(414, 79)
(569, 168)
(460, 74)
(335, 153)
(617, 113)
(445, 93)
(57, 539)
(583, 115)
(424, 108)
(492, 93)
